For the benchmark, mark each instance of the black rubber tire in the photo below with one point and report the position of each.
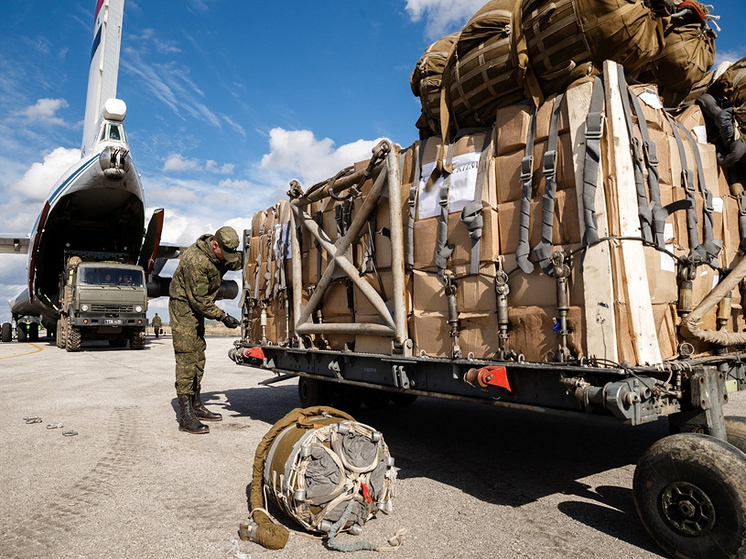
(74, 338)
(33, 333)
(690, 493)
(61, 334)
(21, 333)
(313, 392)
(137, 339)
(735, 431)
(375, 399)
(7, 332)
(403, 398)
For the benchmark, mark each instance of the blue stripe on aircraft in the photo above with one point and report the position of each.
(71, 178)
(96, 42)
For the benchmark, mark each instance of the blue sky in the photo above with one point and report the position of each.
(227, 100)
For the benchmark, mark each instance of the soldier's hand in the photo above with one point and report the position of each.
(231, 322)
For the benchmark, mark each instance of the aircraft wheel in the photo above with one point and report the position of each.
(690, 493)
(60, 338)
(137, 339)
(735, 432)
(7, 332)
(33, 333)
(313, 392)
(21, 329)
(74, 338)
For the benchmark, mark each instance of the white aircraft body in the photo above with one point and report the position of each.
(97, 205)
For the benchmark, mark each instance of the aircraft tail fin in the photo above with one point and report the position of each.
(104, 67)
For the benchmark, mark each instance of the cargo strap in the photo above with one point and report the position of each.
(644, 210)
(258, 262)
(316, 243)
(712, 247)
(742, 218)
(269, 240)
(471, 214)
(594, 129)
(527, 172)
(443, 250)
(544, 249)
(687, 180)
(413, 194)
(655, 214)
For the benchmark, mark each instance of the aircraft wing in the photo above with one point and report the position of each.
(14, 245)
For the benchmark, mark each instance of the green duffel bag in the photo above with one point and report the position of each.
(687, 56)
(568, 39)
(482, 73)
(426, 80)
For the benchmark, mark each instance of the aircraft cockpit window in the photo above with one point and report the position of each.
(116, 133)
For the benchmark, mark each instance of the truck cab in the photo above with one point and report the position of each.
(103, 300)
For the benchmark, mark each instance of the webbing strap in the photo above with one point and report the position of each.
(688, 182)
(643, 208)
(443, 251)
(657, 213)
(413, 194)
(594, 129)
(471, 214)
(267, 275)
(544, 249)
(742, 219)
(317, 244)
(711, 246)
(258, 261)
(527, 172)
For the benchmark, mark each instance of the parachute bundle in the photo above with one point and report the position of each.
(512, 50)
(325, 471)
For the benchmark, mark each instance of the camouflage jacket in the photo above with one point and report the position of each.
(157, 322)
(197, 278)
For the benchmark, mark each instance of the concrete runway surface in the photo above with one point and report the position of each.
(474, 481)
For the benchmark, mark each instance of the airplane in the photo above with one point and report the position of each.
(97, 205)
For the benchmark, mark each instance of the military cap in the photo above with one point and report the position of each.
(227, 239)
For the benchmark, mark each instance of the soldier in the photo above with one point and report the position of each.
(193, 290)
(157, 323)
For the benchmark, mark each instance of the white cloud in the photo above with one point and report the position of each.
(234, 184)
(41, 177)
(442, 16)
(177, 162)
(728, 56)
(213, 167)
(44, 111)
(313, 160)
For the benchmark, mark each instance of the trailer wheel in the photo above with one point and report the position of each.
(735, 431)
(690, 493)
(137, 339)
(403, 398)
(313, 392)
(7, 332)
(74, 338)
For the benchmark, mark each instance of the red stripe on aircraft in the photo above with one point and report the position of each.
(99, 3)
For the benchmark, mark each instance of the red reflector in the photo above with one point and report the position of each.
(254, 353)
(491, 375)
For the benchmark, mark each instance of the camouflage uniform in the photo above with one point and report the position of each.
(157, 323)
(193, 290)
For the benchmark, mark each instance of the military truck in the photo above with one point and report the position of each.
(102, 300)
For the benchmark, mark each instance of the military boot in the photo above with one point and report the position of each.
(201, 411)
(187, 420)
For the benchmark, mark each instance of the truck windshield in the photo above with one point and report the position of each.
(110, 276)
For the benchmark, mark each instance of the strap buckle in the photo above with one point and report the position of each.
(550, 163)
(527, 168)
(686, 176)
(650, 156)
(594, 125)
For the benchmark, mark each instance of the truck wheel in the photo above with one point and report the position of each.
(21, 329)
(61, 337)
(690, 493)
(7, 332)
(74, 338)
(735, 432)
(137, 339)
(313, 392)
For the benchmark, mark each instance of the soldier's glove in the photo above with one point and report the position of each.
(231, 322)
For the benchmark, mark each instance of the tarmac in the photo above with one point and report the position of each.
(474, 481)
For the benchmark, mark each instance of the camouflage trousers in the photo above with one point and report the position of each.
(188, 334)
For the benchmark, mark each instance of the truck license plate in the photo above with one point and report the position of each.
(112, 321)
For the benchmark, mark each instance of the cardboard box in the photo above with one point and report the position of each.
(431, 334)
(538, 289)
(532, 332)
(363, 307)
(474, 294)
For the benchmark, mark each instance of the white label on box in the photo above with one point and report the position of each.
(463, 185)
(701, 133)
(717, 204)
(651, 99)
(668, 232)
(667, 263)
